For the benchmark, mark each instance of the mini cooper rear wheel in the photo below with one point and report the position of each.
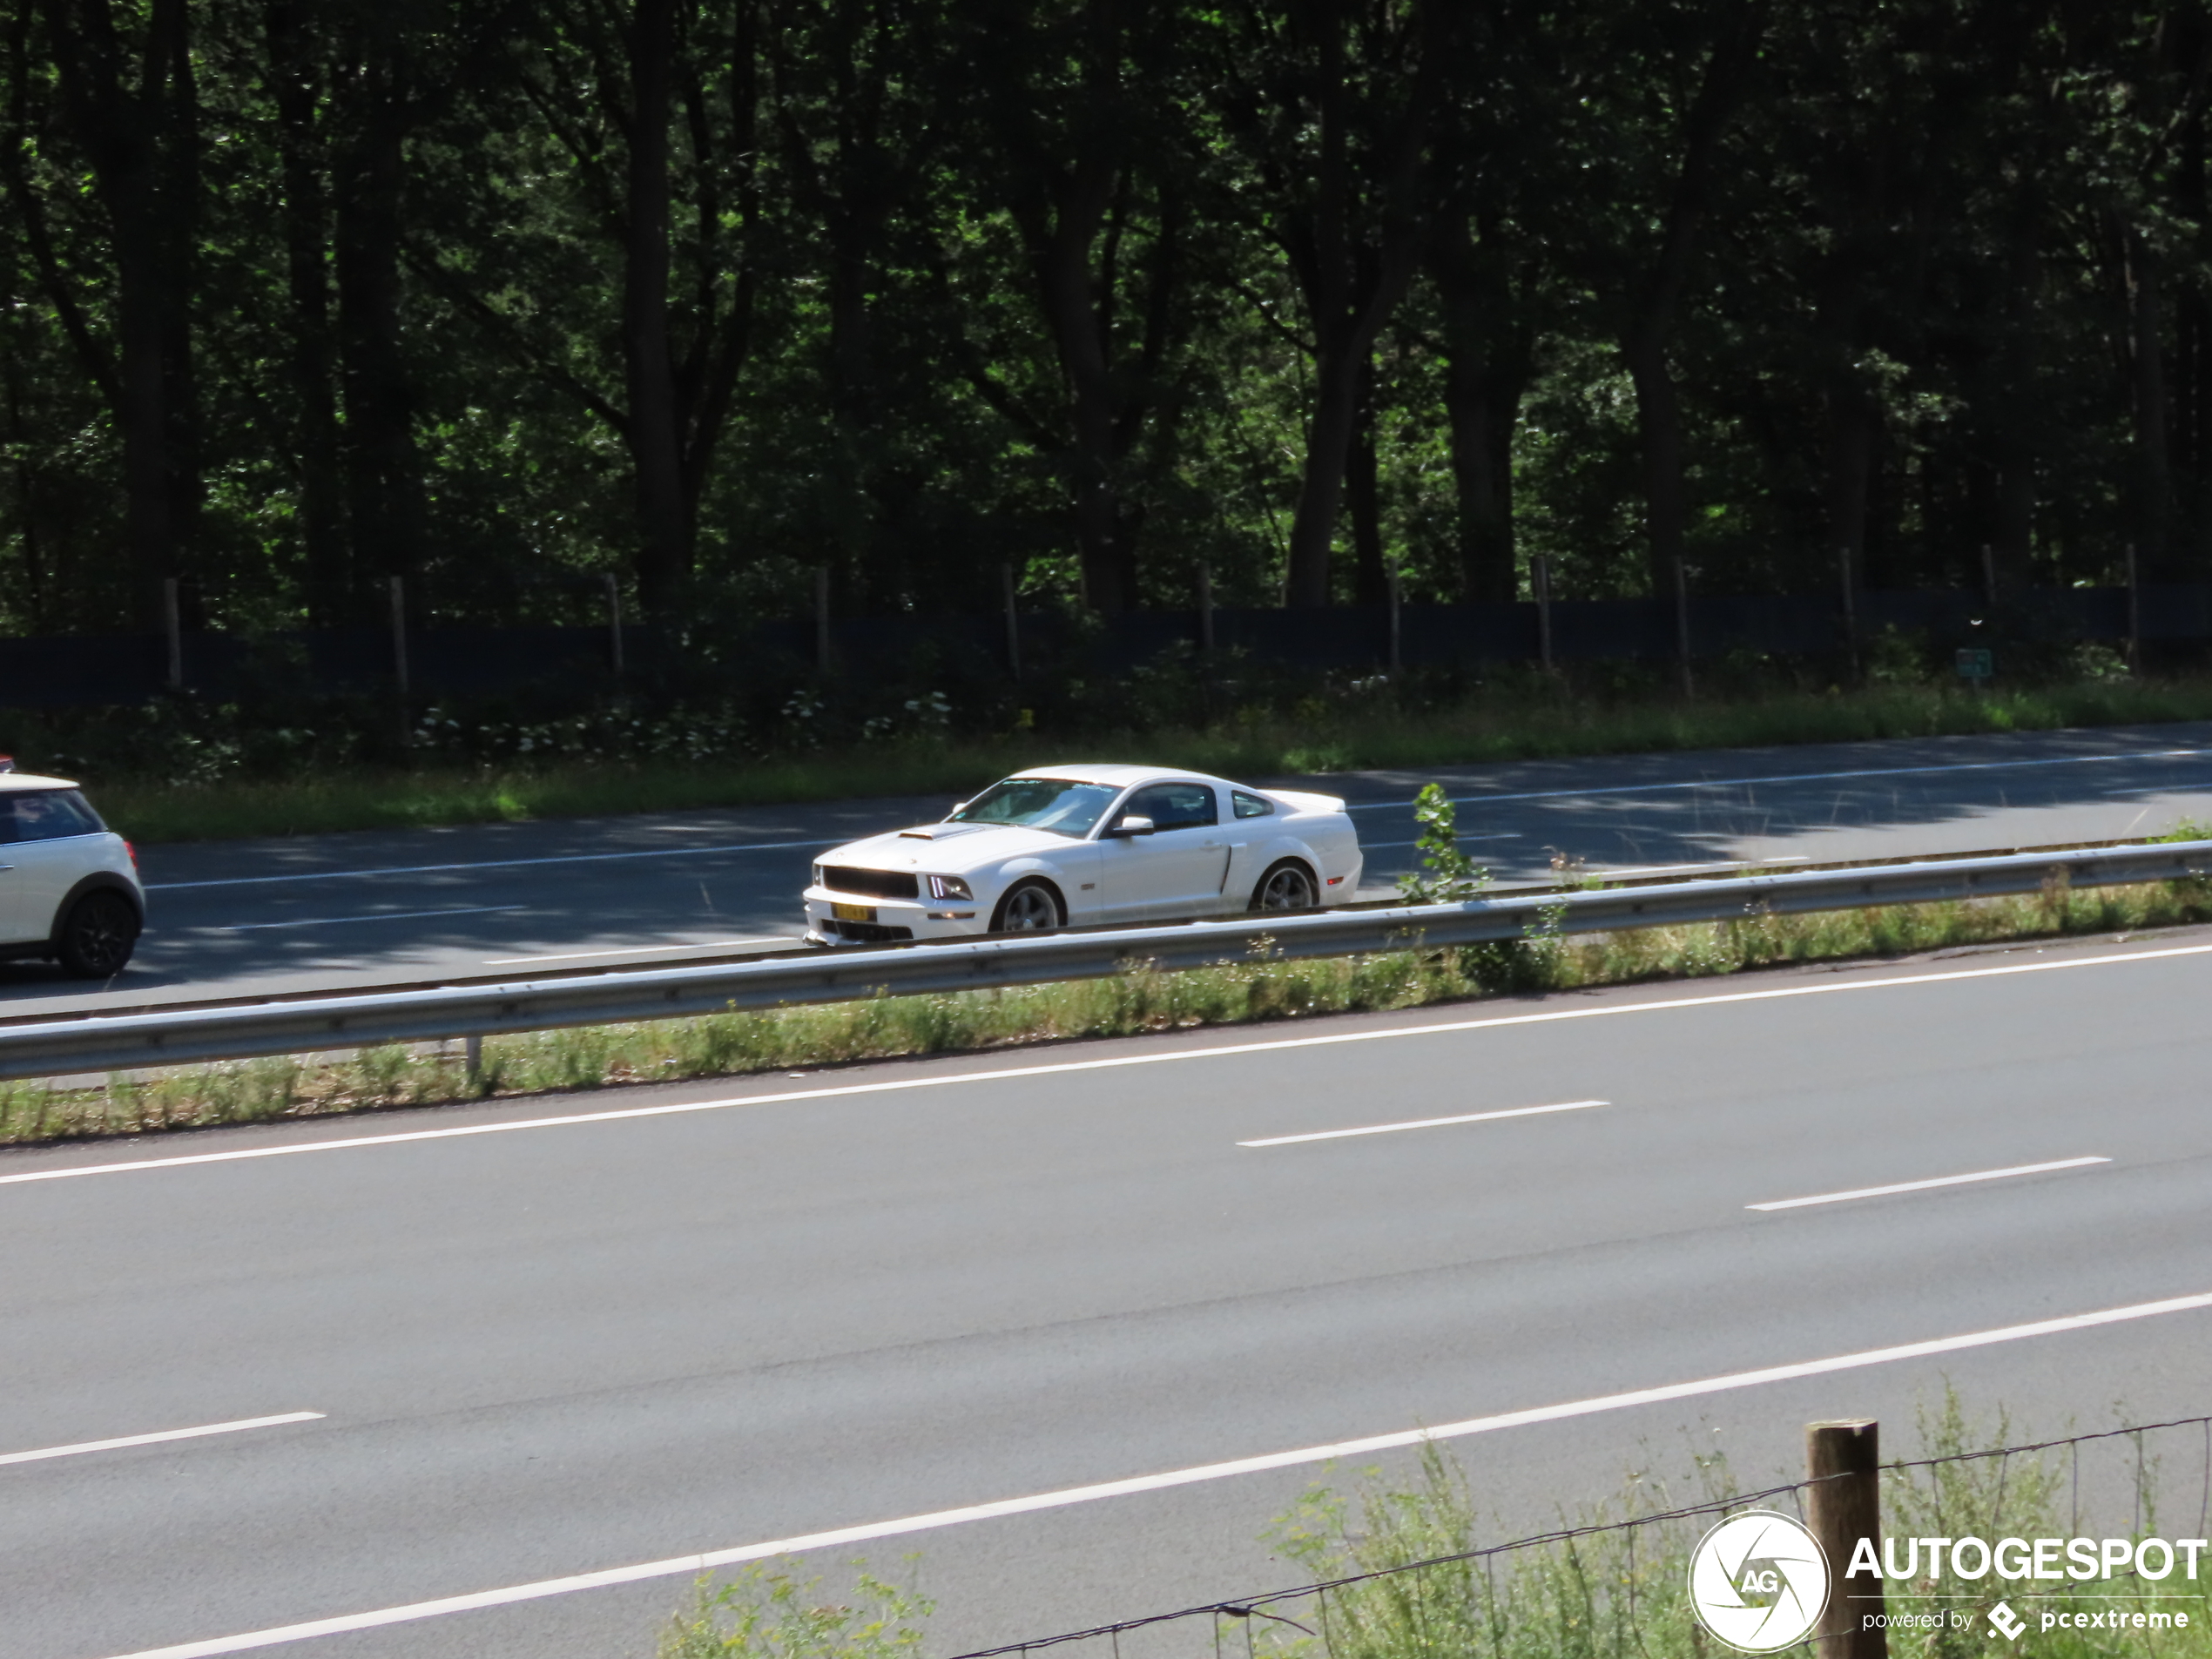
(97, 936)
(1289, 886)
(1028, 907)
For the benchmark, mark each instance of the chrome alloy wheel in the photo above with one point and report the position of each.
(1287, 887)
(1029, 908)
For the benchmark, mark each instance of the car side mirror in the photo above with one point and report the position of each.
(1131, 823)
(955, 809)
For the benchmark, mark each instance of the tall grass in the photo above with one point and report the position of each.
(1622, 1592)
(1513, 724)
(1258, 988)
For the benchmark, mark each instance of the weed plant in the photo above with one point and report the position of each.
(1622, 1592)
(1260, 988)
(767, 1612)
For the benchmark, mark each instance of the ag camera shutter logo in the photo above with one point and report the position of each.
(1759, 1581)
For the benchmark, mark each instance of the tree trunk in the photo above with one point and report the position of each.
(1363, 498)
(288, 25)
(141, 147)
(1486, 364)
(656, 444)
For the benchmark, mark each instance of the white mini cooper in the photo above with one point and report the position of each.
(1063, 846)
(69, 885)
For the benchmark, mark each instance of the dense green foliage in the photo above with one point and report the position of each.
(300, 294)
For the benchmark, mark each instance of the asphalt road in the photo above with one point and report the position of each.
(241, 918)
(543, 1349)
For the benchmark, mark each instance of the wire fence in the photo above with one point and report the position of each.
(1246, 1614)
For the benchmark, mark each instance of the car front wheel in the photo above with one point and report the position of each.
(97, 936)
(1289, 886)
(1028, 907)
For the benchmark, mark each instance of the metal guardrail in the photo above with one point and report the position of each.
(112, 1041)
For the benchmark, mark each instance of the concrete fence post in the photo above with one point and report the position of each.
(1843, 1505)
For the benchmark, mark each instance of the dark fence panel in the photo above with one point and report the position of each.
(476, 662)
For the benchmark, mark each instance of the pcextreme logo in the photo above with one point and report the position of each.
(1759, 1581)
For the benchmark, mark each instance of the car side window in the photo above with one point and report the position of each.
(1174, 806)
(1251, 806)
(46, 816)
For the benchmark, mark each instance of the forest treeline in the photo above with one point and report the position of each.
(502, 295)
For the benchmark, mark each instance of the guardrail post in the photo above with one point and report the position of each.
(472, 1055)
(1843, 1505)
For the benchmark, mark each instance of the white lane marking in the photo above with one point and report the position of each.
(1426, 1123)
(1062, 1067)
(1071, 1496)
(1709, 864)
(644, 950)
(45, 1451)
(1798, 778)
(484, 864)
(1384, 846)
(340, 921)
(1923, 1186)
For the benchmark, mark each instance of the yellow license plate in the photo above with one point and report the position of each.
(854, 912)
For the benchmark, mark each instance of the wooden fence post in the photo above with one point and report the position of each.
(614, 622)
(1843, 1505)
(1681, 627)
(1205, 609)
(821, 620)
(398, 636)
(2135, 614)
(1540, 580)
(1012, 622)
(1396, 590)
(172, 623)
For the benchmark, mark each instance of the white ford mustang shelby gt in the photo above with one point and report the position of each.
(1062, 845)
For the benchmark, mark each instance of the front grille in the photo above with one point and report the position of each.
(879, 884)
(874, 932)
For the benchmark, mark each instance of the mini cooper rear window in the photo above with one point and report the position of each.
(46, 815)
(1251, 806)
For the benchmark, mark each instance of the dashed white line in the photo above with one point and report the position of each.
(1799, 777)
(684, 1566)
(953, 1079)
(1427, 1122)
(166, 1434)
(1923, 1186)
(380, 916)
(645, 950)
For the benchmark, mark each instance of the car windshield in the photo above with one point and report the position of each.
(1060, 805)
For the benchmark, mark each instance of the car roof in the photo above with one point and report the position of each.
(1122, 776)
(17, 782)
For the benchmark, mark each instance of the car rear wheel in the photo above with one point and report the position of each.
(97, 936)
(1289, 886)
(1028, 907)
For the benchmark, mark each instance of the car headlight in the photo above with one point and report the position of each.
(949, 886)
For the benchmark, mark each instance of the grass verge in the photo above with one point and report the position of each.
(1322, 738)
(1145, 999)
(1617, 1588)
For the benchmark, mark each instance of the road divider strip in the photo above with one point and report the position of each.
(1167, 1056)
(1069, 1496)
(1924, 1186)
(1427, 1122)
(122, 1441)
